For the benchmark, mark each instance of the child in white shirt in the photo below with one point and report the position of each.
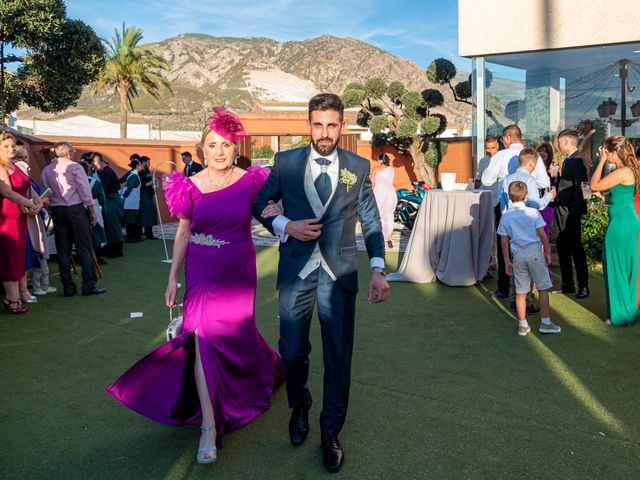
(522, 232)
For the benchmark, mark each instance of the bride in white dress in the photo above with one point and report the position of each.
(385, 194)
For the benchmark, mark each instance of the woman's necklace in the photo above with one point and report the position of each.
(225, 177)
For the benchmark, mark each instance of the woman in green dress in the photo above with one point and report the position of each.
(620, 252)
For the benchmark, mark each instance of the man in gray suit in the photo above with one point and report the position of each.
(323, 190)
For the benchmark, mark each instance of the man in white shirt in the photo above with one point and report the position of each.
(491, 147)
(501, 165)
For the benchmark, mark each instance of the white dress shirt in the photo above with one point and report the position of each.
(504, 163)
(280, 222)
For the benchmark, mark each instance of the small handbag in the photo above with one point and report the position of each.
(175, 324)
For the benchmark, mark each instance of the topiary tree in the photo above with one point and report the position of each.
(402, 118)
(60, 56)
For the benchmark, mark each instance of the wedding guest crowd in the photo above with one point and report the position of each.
(556, 192)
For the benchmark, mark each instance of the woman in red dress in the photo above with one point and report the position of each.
(14, 187)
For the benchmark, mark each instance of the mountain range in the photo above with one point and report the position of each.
(239, 72)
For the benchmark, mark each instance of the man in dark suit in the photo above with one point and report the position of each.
(323, 189)
(570, 206)
(191, 167)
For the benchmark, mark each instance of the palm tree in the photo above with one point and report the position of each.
(131, 67)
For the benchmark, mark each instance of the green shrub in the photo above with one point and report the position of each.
(378, 123)
(264, 151)
(594, 226)
(407, 129)
(435, 152)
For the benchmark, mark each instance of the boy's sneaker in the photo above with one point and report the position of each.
(549, 328)
(522, 331)
(38, 291)
(51, 290)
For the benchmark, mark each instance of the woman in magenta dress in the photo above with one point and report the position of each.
(219, 372)
(14, 188)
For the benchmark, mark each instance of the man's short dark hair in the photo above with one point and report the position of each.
(186, 154)
(570, 132)
(512, 131)
(134, 156)
(491, 138)
(326, 101)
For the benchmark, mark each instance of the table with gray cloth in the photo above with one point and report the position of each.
(451, 239)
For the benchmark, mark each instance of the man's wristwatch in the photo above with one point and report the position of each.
(381, 270)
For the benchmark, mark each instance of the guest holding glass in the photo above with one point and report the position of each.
(545, 152)
(620, 252)
(14, 190)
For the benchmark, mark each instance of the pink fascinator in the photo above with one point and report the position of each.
(226, 124)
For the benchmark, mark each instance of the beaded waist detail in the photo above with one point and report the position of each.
(207, 240)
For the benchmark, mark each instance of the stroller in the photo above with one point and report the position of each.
(409, 203)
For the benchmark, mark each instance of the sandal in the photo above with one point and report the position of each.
(16, 307)
(207, 454)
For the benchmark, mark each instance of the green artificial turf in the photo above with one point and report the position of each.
(442, 387)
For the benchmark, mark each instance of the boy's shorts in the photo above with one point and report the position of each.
(530, 264)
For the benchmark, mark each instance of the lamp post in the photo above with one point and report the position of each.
(159, 118)
(607, 108)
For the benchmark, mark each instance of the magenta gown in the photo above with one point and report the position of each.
(241, 369)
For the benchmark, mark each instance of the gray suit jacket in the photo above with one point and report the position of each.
(290, 181)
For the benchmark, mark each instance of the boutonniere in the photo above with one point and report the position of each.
(348, 178)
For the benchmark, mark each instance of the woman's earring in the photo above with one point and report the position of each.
(204, 160)
(235, 161)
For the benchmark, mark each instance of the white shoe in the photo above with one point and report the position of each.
(549, 328)
(522, 331)
(208, 453)
(51, 290)
(30, 299)
(38, 291)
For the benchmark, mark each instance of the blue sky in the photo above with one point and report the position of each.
(414, 29)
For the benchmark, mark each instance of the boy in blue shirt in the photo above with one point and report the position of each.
(522, 232)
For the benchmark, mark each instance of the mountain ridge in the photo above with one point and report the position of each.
(239, 72)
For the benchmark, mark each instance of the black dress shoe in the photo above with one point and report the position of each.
(332, 454)
(583, 292)
(299, 422)
(70, 293)
(95, 291)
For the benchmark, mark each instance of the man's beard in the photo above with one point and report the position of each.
(326, 149)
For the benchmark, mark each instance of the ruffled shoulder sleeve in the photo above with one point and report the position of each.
(180, 194)
(258, 177)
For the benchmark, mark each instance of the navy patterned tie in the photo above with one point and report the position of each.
(323, 182)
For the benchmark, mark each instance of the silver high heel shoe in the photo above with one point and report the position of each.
(208, 453)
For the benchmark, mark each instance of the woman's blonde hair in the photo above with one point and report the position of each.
(4, 135)
(623, 148)
(206, 131)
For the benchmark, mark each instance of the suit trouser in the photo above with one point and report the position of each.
(336, 312)
(71, 224)
(503, 279)
(569, 246)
